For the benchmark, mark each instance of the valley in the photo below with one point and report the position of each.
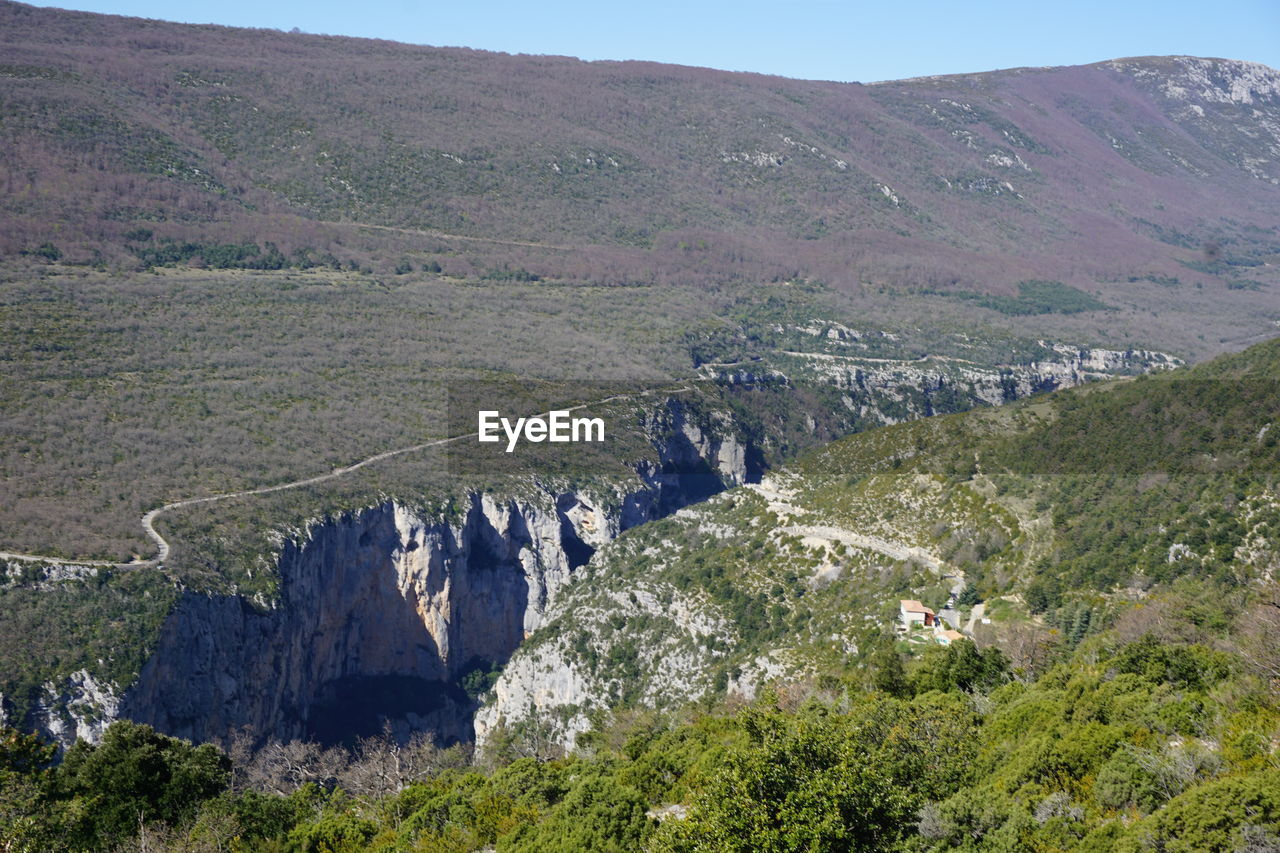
(998, 348)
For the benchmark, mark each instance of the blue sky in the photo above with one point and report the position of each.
(853, 40)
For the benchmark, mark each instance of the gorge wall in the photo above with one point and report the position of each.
(387, 616)
(383, 611)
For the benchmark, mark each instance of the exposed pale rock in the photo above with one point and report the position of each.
(388, 602)
(80, 707)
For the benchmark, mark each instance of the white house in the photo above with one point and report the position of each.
(912, 614)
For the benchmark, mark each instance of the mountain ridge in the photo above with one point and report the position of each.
(901, 184)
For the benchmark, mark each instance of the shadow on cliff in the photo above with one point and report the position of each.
(387, 620)
(380, 617)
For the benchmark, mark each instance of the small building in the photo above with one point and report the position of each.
(914, 614)
(947, 637)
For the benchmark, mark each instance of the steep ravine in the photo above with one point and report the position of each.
(382, 610)
(672, 640)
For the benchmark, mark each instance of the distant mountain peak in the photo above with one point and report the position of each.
(1194, 78)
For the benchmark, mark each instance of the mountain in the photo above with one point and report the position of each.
(245, 272)
(255, 286)
(734, 677)
(1149, 183)
(436, 216)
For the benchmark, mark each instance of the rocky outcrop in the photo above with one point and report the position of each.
(379, 601)
(1095, 363)
(700, 455)
(548, 687)
(80, 707)
(542, 687)
(383, 612)
(886, 391)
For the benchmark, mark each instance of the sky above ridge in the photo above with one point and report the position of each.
(854, 40)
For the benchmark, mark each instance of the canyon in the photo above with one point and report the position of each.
(387, 617)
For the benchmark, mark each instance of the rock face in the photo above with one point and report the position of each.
(382, 611)
(892, 390)
(546, 690)
(78, 709)
(701, 454)
(371, 602)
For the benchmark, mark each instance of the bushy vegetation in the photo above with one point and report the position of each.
(121, 394)
(1156, 478)
(228, 256)
(100, 621)
(1039, 297)
(1122, 745)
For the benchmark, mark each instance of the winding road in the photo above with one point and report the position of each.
(162, 545)
(778, 496)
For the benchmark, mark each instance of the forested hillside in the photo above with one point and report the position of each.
(1147, 183)
(1150, 725)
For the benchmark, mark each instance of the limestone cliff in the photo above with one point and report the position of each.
(886, 391)
(79, 708)
(383, 610)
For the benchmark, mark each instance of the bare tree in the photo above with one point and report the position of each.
(1177, 766)
(282, 768)
(381, 766)
(1029, 645)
